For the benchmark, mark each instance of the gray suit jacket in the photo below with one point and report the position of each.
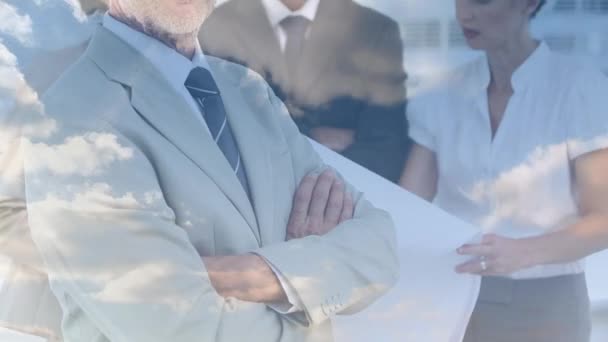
(47, 66)
(128, 191)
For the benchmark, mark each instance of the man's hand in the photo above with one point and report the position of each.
(336, 139)
(246, 277)
(320, 204)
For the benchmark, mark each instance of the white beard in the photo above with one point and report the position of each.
(155, 16)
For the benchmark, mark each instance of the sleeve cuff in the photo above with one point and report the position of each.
(422, 137)
(293, 304)
(578, 148)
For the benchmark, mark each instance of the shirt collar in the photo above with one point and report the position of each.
(172, 65)
(531, 69)
(277, 11)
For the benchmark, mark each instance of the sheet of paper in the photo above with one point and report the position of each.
(5, 267)
(431, 302)
(597, 280)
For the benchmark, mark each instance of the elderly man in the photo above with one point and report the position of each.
(161, 198)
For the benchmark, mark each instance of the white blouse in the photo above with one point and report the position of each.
(518, 184)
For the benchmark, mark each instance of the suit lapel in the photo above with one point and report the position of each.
(254, 146)
(175, 120)
(170, 114)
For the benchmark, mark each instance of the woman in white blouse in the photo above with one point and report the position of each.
(516, 143)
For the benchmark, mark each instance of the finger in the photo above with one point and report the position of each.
(320, 197)
(290, 236)
(348, 207)
(301, 202)
(475, 266)
(489, 239)
(335, 203)
(476, 250)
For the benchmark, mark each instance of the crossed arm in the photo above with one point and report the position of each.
(124, 269)
(320, 204)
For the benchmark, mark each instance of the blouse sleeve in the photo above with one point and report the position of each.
(422, 121)
(588, 121)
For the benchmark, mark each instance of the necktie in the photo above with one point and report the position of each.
(204, 90)
(295, 28)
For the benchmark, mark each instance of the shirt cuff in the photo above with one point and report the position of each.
(293, 304)
(577, 148)
(422, 137)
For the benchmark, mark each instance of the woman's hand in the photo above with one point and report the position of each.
(497, 256)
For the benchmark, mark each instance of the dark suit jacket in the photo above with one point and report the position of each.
(351, 73)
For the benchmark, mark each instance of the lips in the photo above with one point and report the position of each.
(470, 33)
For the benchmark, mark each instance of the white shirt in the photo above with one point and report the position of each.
(175, 68)
(518, 184)
(277, 12)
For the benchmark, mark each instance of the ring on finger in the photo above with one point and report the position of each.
(484, 265)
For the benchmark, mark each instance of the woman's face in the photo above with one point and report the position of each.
(491, 24)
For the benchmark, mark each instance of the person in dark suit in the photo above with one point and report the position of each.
(337, 65)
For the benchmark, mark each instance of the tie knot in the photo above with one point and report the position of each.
(200, 83)
(295, 24)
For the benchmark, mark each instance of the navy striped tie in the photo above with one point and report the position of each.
(204, 90)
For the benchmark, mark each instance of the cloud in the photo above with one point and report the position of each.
(102, 197)
(84, 155)
(133, 287)
(94, 197)
(14, 90)
(76, 10)
(14, 24)
(537, 192)
(530, 193)
(18, 104)
(7, 59)
(153, 197)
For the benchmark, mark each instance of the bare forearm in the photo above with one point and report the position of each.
(246, 277)
(420, 175)
(587, 236)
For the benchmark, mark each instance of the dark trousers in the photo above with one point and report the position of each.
(552, 309)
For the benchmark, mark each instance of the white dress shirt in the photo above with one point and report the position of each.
(175, 68)
(277, 12)
(519, 182)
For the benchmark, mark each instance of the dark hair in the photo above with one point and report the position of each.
(540, 6)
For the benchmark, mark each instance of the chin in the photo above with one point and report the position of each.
(184, 18)
(181, 27)
(179, 24)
